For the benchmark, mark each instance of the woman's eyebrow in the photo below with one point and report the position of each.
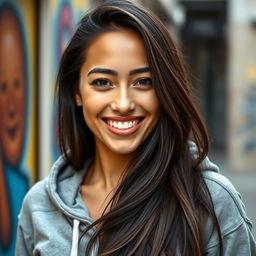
(113, 72)
(139, 70)
(102, 70)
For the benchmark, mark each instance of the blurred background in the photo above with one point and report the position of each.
(218, 41)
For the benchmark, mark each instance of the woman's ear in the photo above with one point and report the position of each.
(78, 100)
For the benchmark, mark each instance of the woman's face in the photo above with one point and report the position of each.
(116, 92)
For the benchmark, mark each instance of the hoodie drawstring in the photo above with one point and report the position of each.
(75, 237)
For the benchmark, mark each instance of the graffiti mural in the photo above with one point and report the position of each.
(15, 99)
(64, 29)
(63, 16)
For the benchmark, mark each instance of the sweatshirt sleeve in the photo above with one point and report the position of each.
(236, 228)
(25, 230)
(236, 243)
(24, 245)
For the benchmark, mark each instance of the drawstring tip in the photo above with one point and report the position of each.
(75, 237)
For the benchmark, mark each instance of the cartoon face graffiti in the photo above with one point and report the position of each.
(12, 88)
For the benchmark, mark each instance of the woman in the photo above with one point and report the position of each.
(131, 181)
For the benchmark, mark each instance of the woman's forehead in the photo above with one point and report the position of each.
(116, 50)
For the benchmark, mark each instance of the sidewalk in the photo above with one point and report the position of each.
(245, 184)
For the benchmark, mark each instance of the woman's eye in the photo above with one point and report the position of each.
(147, 82)
(101, 83)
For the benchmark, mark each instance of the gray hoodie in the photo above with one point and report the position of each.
(53, 216)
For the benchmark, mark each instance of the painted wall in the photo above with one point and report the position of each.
(242, 86)
(58, 22)
(19, 90)
(17, 114)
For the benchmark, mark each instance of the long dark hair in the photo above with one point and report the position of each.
(162, 204)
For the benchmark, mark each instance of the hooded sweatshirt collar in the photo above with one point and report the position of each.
(63, 185)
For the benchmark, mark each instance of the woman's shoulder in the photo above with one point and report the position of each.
(234, 224)
(227, 201)
(37, 198)
(220, 186)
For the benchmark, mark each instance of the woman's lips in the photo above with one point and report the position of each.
(123, 125)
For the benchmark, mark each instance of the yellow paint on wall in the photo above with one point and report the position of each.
(53, 4)
(251, 73)
(81, 4)
(29, 15)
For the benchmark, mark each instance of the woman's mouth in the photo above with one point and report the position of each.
(123, 125)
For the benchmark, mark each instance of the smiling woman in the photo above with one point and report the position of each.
(130, 181)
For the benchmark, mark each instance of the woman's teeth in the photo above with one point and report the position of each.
(122, 125)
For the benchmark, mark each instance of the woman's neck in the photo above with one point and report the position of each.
(108, 168)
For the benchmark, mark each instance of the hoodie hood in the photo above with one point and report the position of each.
(63, 185)
(206, 164)
(54, 205)
(54, 216)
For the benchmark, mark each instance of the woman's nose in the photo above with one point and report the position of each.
(123, 101)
